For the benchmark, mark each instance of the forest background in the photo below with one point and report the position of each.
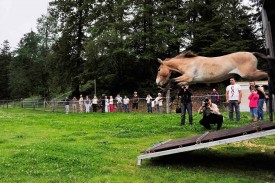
(115, 44)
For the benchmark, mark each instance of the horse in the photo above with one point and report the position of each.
(199, 69)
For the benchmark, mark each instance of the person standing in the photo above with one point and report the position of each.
(158, 102)
(149, 103)
(103, 103)
(87, 104)
(81, 104)
(215, 97)
(67, 105)
(186, 104)
(74, 105)
(111, 104)
(106, 104)
(94, 103)
(119, 103)
(262, 97)
(253, 104)
(135, 101)
(126, 101)
(233, 98)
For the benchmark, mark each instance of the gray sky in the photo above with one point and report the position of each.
(18, 17)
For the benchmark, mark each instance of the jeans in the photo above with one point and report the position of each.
(149, 107)
(260, 109)
(188, 107)
(126, 107)
(234, 104)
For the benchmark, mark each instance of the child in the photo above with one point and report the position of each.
(253, 104)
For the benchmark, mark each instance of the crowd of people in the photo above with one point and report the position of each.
(209, 107)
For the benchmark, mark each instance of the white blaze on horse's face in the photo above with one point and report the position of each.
(163, 74)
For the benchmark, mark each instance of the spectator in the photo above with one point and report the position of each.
(74, 105)
(135, 101)
(119, 103)
(262, 97)
(149, 103)
(103, 103)
(81, 104)
(186, 104)
(67, 105)
(158, 102)
(233, 98)
(253, 104)
(211, 115)
(126, 101)
(111, 104)
(106, 104)
(94, 103)
(87, 103)
(215, 97)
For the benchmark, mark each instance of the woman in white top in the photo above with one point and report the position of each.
(106, 104)
(94, 103)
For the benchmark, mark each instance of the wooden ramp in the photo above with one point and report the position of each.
(251, 131)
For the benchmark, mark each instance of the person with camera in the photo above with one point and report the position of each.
(211, 114)
(186, 104)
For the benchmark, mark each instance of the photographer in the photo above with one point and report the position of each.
(211, 114)
(186, 104)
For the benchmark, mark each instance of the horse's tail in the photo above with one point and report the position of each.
(271, 61)
(263, 56)
(270, 70)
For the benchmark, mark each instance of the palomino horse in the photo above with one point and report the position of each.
(198, 69)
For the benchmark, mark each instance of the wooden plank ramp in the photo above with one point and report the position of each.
(250, 131)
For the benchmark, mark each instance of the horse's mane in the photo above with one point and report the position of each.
(187, 54)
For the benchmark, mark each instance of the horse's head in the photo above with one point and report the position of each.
(163, 73)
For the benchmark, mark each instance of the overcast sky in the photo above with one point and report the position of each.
(18, 17)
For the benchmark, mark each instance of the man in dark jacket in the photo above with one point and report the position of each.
(186, 104)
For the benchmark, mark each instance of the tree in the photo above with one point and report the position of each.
(5, 59)
(27, 68)
(72, 19)
(217, 27)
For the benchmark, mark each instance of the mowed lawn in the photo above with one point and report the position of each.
(37, 146)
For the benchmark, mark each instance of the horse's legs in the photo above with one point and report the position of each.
(183, 80)
(256, 75)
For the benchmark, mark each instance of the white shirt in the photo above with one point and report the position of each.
(148, 99)
(233, 91)
(119, 99)
(126, 101)
(158, 101)
(94, 101)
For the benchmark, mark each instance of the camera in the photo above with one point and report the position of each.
(205, 102)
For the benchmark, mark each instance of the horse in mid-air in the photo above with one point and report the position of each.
(199, 69)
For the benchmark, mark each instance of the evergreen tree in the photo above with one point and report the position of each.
(5, 59)
(27, 68)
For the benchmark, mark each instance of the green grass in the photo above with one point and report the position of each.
(40, 146)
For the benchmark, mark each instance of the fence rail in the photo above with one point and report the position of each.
(59, 105)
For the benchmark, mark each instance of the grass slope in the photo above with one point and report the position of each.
(40, 146)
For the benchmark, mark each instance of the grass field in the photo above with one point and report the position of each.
(38, 146)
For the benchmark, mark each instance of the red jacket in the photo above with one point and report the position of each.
(253, 97)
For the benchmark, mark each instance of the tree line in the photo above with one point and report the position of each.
(117, 43)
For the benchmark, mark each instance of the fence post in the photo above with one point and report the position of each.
(168, 102)
(22, 102)
(33, 104)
